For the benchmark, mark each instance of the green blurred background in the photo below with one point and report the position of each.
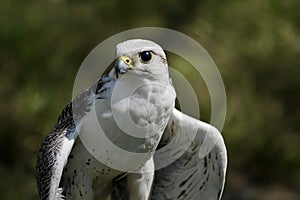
(255, 44)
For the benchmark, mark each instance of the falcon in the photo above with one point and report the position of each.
(134, 104)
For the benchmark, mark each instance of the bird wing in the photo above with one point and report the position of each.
(191, 161)
(53, 156)
(56, 147)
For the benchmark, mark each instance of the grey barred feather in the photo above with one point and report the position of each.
(64, 129)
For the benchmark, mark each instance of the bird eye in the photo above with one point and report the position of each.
(146, 56)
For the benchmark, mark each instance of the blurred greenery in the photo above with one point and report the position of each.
(255, 44)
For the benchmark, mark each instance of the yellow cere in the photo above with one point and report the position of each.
(127, 60)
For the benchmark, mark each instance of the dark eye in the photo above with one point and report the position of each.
(146, 56)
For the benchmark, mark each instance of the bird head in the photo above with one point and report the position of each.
(141, 57)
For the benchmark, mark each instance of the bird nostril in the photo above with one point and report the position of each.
(127, 60)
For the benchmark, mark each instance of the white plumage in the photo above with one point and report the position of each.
(136, 98)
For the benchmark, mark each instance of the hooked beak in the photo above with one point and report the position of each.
(123, 64)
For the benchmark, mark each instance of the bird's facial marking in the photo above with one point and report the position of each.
(146, 56)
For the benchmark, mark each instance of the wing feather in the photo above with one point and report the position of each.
(58, 144)
(52, 158)
(197, 154)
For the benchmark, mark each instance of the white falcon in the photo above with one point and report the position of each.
(183, 158)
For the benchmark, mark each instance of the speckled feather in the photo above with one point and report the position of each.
(200, 172)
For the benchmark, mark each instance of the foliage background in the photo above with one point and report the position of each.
(255, 44)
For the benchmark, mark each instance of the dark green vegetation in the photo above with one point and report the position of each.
(255, 44)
